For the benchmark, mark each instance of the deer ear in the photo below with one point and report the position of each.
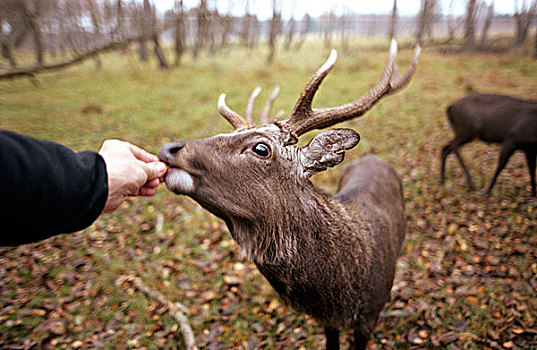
(326, 150)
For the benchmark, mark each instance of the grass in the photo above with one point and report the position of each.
(467, 274)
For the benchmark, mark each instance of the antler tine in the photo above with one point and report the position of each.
(250, 106)
(235, 119)
(398, 81)
(266, 111)
(302, 108)
(304, 119)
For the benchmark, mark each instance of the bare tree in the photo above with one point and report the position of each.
(246, 25)
(202, 14)
(344, 27)
(6, 32)
(96, 29)
(469, 25)
(535, 52)
(31, 13)
(451, 22)
(328, 23)
(119, 30)
(214, 27)
(80, 29)
(291, 27)
(306, 24)
(226, 25)
(275, 29)
(143, 27)
(180, 32)
(151, 19)
(524, 17)
(486, 23)
(426, 19)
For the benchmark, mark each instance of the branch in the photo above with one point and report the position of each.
(31, 72)
(177, 311)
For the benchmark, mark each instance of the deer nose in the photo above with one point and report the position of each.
(169, 150)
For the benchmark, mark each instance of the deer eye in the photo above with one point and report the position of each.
(261, 149)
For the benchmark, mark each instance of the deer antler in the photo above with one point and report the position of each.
(250, 106)
(239, 122)
(304, 118)
(266, 111)
(233, 117)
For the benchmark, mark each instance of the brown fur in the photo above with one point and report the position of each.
(497, 119)
(330, 257)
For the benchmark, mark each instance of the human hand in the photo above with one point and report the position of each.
(131, 172)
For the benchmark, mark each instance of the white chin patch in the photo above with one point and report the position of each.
(179, 181)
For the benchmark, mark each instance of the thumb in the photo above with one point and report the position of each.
(155, 170)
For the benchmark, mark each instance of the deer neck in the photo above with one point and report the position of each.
(297, 225)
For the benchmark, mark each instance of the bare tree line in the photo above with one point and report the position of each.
(66, 30)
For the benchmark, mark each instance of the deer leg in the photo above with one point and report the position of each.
(531, 157)
(332, 338)
(446, 150)
(360, 340)
(507, 151)
(466, 172)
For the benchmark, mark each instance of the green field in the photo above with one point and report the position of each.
(467, 275)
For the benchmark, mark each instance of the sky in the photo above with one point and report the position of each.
(263, 8)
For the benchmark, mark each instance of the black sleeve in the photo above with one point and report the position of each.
(47, 189)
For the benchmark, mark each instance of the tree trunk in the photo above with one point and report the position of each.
(6, 48)
(469, 27)
(486, 25)
(6, 53)
(97, 31)
(524, 19)
(163, 64)
(151, 19)
(328, 29)
(212, 32)
(227, 26)
(119, 20)
(290, 33)
(143, 49)
(535, 51)
(31, 22)
(179, 32)
(306, 23)
(201, 33)
(274, 24)
(422, 19)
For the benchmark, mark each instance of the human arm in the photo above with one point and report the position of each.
(47, 189)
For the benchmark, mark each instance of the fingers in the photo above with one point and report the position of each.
(147, 192)
(148, 189)
(155, 170)
(141, 154)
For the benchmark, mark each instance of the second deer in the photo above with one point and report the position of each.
(330, 257)
(496, 119)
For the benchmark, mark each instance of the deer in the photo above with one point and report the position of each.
(509, 121)
(331, 257)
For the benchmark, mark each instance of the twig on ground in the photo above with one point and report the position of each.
(177, 310)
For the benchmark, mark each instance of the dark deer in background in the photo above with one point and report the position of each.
(493, 118)
(330, 257)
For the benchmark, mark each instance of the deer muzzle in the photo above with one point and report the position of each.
(177, 180)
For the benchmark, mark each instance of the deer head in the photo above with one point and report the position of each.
(257, 175)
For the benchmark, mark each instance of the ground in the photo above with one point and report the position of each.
(467, 275)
